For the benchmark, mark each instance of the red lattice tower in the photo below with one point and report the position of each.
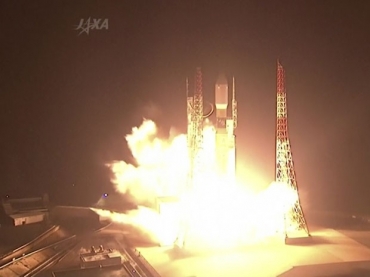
(195, 129)
(198, 110)
(190, 134)
(234, 106)
(197, 126)
(294, 218)
(195, 143)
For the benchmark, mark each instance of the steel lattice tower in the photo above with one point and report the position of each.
(194, 142)
(190, 134)
(198, 118)
(294, 219)
(234, 105)
(195, 128)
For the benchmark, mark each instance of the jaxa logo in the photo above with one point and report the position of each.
(92, 24)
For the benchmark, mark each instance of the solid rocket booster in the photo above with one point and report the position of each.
(221, 99)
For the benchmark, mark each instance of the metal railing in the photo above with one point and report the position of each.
(27, 246)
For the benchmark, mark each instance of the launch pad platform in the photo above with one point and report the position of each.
(330, 253)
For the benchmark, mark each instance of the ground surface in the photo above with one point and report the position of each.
(106, 272)
(328, 246)
(65, 267)
(339, 247)
(109, 238)
(12, 237)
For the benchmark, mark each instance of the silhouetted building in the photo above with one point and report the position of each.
(23, 211)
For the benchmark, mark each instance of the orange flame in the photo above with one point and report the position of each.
(212, 214)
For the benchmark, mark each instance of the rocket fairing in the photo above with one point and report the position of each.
(221, 101)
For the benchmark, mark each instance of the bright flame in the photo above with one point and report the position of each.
(212, 214)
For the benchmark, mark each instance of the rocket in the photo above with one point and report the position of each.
(225, 123)
(225, 126)
(221, 101)
(225, 129)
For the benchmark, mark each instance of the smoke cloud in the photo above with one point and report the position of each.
(213, 213)
(161, 165)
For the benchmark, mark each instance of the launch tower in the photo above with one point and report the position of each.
(195, 129)
(295, 222)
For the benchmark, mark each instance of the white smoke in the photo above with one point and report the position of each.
(162, 165)
(214, 211)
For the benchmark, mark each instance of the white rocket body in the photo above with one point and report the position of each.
(225, 137)
(222, 101)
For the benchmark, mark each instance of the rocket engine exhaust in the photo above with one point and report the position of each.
(191, 179)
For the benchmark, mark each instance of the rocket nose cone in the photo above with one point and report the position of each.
(221, 80)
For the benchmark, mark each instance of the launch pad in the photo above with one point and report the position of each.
(330, 253)
(211, 225)
(212, 159)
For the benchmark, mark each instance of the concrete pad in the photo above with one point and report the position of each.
(348, 269)
(328, 246)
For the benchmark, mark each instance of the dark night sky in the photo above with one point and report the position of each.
(67, 100)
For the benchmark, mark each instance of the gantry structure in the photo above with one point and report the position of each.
(195, 128)
(294, 219)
